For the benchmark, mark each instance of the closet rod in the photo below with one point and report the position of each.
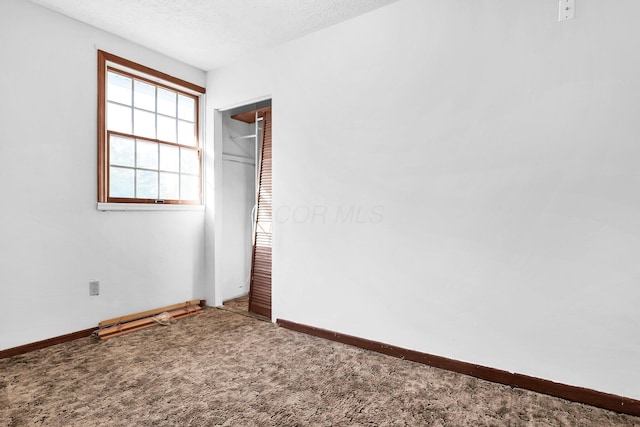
(243, 137)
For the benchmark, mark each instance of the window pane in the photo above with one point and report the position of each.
(166, 102)
(144, 95)
(121, 182)
(151, 145)
(186, 108)
(118, 118)
(118, 88)
(146, 184)
(189, 162)
(189, 187)
(166, 129)
(147, 155)
(186, 133)
(169, 186)
(169, 158)
(122, 151)
(144, 123)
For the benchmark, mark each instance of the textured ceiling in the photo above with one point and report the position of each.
(210, 33)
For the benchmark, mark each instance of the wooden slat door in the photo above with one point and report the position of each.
(260, 285)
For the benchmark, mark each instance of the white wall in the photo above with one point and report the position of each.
(238, 199)
(52, 238)
(492, 154)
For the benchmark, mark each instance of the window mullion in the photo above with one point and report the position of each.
(179, 151)
(135, 168)
(158, 178)
(155, 112)
(133, 109)
(180, 173)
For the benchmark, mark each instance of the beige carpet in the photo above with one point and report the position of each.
(240, 304)
(222, 368)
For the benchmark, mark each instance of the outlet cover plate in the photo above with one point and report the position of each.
(567, 10)
(94, 288)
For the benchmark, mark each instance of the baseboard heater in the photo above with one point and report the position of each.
(134, 322)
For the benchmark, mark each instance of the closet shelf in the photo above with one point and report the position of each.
(238, 159)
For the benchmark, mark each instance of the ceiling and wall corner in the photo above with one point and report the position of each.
(210, 33)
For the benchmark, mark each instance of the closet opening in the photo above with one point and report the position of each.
(246, 210)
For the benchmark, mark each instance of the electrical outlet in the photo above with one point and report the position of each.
(94, 288)
(567, 10)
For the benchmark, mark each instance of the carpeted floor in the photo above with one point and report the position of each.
(222, 368)
(239, 305)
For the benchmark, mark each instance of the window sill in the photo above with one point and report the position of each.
(147, 207)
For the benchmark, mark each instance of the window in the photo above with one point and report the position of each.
(149, 149)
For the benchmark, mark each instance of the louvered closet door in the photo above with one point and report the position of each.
(260, 290)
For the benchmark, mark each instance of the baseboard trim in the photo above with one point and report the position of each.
(15, 351)
(599, 399)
